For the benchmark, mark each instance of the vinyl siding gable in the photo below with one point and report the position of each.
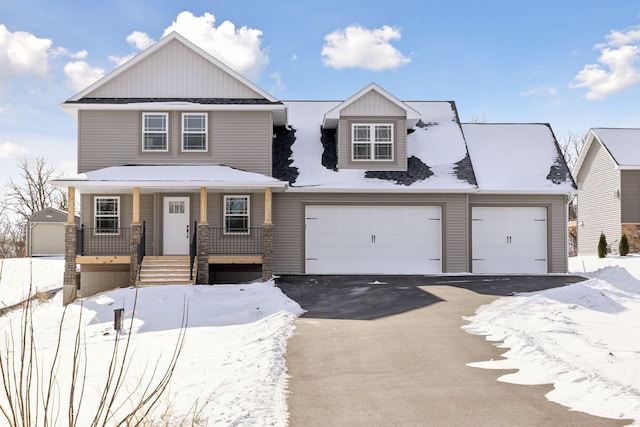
(174, 71)
(372, 107)
(598, 208)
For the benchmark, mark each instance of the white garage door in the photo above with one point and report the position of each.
(509, 240)
(373, 240)
(47, 238)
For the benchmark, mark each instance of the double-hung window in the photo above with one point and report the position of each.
(236, 214)
(372, 141)
(155, 131)
(107, 214)
(194, 132)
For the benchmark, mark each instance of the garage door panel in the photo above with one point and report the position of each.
(509, 240)
(373, 239)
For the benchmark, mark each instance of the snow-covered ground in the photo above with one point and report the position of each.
(583, 338)
(16, 275)
(232, 367)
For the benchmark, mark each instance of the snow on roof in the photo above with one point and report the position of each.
(623, 144)
(516, 157)
(439, 144)
(169, 176)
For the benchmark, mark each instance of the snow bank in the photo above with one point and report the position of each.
(583, 338)
(17, 273)
(231, 369)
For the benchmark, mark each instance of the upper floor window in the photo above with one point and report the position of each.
(194, 132)
(107, 215)
(236, 214)
(372, 141)
(155, 131)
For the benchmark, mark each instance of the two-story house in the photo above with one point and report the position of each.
(608, 176)
(181, 158)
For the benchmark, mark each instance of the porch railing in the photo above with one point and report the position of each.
(91, 241)
(248, 242)
(142, 246)
(193, 249)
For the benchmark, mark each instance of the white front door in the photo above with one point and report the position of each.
(175, 228)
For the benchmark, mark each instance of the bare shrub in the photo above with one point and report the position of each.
(31, 392)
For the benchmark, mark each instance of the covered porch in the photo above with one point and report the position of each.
(210, 215)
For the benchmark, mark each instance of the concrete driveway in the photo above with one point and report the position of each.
(389, 351)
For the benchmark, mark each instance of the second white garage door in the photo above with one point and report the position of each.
(373, 239)
(509, 240)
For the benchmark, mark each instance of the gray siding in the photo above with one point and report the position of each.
(400, 144)
(557, 240)
(174, 71)
(243, 140)
(288, 225)
(108, 138)
(630, 196)
(372, 104)
(598, 209)
(112, 138)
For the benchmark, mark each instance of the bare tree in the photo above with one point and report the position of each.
(571, 143)
(12, 244)
(482, 118)
(34, 192)
(25, 196)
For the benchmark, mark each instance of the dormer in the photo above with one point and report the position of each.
(371, 130)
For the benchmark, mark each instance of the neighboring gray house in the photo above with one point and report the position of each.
(45, 232)
(608, 176)
(178, 148)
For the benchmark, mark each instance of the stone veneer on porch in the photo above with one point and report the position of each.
(632, 230)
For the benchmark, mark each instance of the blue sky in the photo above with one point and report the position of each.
(573, 64)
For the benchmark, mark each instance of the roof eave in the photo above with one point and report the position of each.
(279, 110)
(369, 190)
(172, 186)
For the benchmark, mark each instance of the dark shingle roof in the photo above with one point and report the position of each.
(203, 101)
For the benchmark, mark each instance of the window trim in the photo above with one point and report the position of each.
(372, 142)
(184, 132)
(145, 132)
(96, 216)
(225, 215)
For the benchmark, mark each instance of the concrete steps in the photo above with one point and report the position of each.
(165, 270)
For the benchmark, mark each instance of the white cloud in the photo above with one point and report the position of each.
(550, 92)
(80, 74)
(620, 38)
(119, 60)
(21, 54)
(140, 40)
(63, 51)
(277, 85)
(238, 48)
(137, 39)
(12, 151)
(294, 57)
(616, 69)
(359, 47)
